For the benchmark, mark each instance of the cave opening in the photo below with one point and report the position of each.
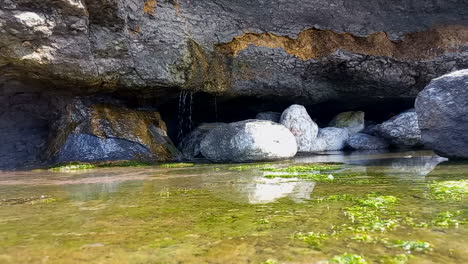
(30, 110)
(208, 108)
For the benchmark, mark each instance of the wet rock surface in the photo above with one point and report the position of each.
(442, 109)
(249, 140)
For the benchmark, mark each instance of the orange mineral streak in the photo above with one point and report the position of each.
(315, 43)
(150, 7)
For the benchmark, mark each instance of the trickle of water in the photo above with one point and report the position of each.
(184, 113)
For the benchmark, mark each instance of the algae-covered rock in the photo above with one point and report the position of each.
(99, 132)
(353, 121)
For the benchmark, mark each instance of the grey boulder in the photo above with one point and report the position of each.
(329, 139)
(442, 109)
(402, 130)
(270, 116)
(360, 141)
(249, 140)
(190, 145)
(353, 121)
(298, 121)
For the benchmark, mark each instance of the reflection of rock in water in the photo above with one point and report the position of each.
(408, 166)
(85, 192)
(264, 190)
(418, 167)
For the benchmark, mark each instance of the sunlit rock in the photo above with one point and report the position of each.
(250, 140)
(298, 121)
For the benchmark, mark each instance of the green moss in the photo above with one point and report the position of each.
(348, 259)
(309, 176)
(177, 165)
(449, 190)
(305, 168)
(411, 246)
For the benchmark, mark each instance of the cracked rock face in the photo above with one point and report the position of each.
(236, 48)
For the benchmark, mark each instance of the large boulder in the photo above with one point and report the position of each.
(271, 116)
(442, 109)
(190, 145)
(298, 121)
(249, 140)
(402, 130)
(100, 132)
(360, 141)
(353, 121)
(329, 139)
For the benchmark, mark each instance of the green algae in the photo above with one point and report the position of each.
(348, 259)
(305, 168)
(311, 238)
(249, 167)
(378, 201)
(177, 165)
(76, 166)
(208, 219)
(448, 219)
(449, 190)
(72, 167)
(398, 259)
(270, 261)
(411, 246)
(309, 176)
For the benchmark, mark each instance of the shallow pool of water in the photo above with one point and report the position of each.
(381, 206)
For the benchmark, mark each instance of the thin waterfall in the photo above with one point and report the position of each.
(184, 115)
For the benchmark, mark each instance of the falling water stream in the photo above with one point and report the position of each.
(185, 113)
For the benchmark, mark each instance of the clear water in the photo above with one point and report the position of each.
(213, 214)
